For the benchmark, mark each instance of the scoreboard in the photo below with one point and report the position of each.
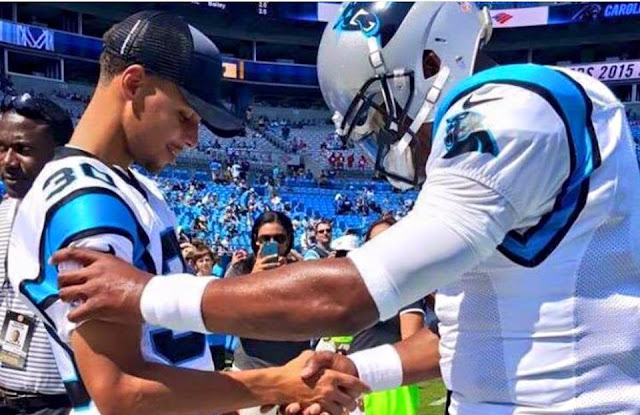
(289, 10)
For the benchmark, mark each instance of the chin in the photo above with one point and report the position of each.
(16, 193)
(153, 168)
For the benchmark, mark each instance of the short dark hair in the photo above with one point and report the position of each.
(323, 222)
(110, 66)
(43, 110)
(385, 220)
(272, 217)
(201, 251)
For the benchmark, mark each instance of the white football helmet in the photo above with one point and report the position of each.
(385, 65)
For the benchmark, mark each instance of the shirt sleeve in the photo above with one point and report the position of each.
(439, 240)
(493, 169)
(95, 220)
(416, 307)
(310, 255)
(514, 142)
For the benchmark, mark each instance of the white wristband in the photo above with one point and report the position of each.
(175, 302)
(380, 368)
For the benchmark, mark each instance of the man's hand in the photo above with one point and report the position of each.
(107, 288)
(321, 389)
(318, 363)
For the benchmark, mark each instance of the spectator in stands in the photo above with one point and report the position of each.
(323, 180)
(200, 224)
(361, 206)
(333, 159)
(347, 205)
(403, 400)
(350, 160)
(251, 353)
(30, 129)
(216, 169)
(323, 231)
(235, 171)
(340, 162)
(362, 163)
(338, 203)
(203, 259)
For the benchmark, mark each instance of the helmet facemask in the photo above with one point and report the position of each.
(382, 127)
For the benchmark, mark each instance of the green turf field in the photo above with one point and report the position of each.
(432, 397)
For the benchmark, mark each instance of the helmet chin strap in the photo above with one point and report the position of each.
(425, 110)
(399, 156)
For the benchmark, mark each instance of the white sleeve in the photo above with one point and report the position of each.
(111, 243)
(515, 144)
(491, 170)
(438, 241)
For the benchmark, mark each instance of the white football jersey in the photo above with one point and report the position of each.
(79, 200)
(549, 323)
(546, 319)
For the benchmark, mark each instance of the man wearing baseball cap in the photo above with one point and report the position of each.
(171, 49)
(159, 79)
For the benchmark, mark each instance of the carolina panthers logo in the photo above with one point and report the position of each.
(466, 133)
(358, 16)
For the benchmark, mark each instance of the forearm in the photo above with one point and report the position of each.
(410, 324)
(119, 381)
(295, 302)
(407, 362)
(159, 389)
(420, 357)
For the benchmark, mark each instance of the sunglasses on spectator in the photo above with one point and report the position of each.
(277, 238)
(321, 231)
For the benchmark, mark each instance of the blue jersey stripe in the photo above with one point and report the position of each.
(574, 107)
(83, 214)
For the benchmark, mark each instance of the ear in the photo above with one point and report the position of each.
(132, 79)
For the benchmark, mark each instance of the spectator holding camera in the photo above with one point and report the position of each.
(271, 242)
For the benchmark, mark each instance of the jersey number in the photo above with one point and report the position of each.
(62, 178)
(178, 348)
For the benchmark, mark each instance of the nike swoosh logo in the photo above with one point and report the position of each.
(470, 104)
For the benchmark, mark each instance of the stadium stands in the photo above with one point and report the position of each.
(228, 209)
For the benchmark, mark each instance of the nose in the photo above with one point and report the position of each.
(10, 158)
(191, 133)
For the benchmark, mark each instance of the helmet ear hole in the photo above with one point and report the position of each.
(430, 63)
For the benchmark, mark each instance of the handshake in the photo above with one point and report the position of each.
(318, 383)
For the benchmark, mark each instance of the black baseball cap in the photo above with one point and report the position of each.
(170, 48)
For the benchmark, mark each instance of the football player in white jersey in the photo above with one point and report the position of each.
(524, 225)
(146, 108)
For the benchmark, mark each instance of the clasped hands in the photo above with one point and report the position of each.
(320, 383)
